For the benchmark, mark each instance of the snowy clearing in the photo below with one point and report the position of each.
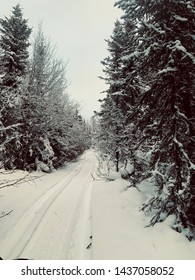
(69, 215)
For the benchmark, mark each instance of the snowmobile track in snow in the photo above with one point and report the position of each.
(55, 226)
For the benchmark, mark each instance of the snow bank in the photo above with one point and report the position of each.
(119, 230)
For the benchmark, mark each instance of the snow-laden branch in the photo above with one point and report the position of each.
(153, 27)
(177, 45)
(182, 117)
(180, 145)
(167, 70)
(179, 18)
(10, 126)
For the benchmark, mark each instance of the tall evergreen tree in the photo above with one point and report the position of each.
(111, 109)
(167, 59)
(14, 43)
(122, 78)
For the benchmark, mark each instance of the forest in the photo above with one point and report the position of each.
(146, 121)
(40, 126)
(145, 126)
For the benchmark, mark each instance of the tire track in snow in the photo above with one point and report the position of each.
(16, 240)
(63, 231)
(76, 237)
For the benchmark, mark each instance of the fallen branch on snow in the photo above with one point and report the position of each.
(6, 214)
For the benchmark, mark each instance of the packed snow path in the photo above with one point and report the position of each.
(69, 215)
(57, 225)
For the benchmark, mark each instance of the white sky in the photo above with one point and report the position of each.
(79, 28)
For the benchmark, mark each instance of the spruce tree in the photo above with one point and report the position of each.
(14, 43)
(167, 107)
(111, 113)
(122, 78)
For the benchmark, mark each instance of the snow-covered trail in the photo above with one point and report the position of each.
(58, 224)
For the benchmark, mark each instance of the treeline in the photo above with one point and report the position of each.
(147, 117)
(40, 126)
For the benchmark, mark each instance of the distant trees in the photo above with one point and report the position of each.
(117, 101)
(40, 125)
(156, 78)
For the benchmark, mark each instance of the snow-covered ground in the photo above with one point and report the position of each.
(120, 232)
(69, 215)
(51, 216)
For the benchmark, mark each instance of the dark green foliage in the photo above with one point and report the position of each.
(118, 100)
(14, 44)
(156, 82)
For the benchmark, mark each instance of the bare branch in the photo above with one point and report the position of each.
(6, 214)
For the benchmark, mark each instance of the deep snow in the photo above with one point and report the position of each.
(120, 230)
(69, 215)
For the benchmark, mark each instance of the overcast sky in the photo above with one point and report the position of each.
(79, 28)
